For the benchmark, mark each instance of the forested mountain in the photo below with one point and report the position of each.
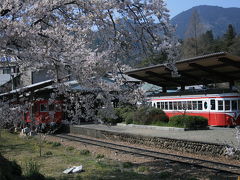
(213, 18)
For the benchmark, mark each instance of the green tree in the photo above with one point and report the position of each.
(229, 42)
(235, 47)
(206, 43)
(229, 36)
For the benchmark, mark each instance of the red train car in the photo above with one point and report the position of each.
(44, 112)
(220, 109)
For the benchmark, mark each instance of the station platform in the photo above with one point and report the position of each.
(216, 135)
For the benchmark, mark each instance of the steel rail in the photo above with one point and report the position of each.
(223, 167)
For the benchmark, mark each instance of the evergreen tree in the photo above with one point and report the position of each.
(206, 43)
(229, 36)
(235, 47)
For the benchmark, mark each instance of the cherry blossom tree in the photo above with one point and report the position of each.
(87, 38)
(9, 115)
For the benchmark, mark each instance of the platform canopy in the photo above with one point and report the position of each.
(202, 70)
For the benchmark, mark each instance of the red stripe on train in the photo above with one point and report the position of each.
(214, 119)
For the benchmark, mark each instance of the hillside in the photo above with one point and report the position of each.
(213, 17)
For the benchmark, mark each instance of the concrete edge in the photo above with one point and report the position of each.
(146, 136)
(151, 127)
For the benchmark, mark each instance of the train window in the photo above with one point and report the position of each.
(175, 105)
(43, 108)
(227, 104)
(220, 105)
(58, 107)
(162, 105)
(166, 105)
(170, 105)
(199, 105)
(205, 105)
(154, 104)
(51, 107)
(184, 105)
(238, 104)
(213, 104)
(189, 105)
(179, 105)
(194, 105)
(158, 105)
(234, 104)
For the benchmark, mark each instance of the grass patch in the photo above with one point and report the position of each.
(84, 152)
(55, 160)
(70, 148)
(164, 174)
(55, 144)
(142, 169)
(48, 142)
(48, 153)
(192, 178)
(31, 168)
(127, 164)
(103, 164)
(100, 156)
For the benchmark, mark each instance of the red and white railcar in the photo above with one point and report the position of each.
(220, 109)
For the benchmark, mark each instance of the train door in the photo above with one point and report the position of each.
(235, 111)
(212, 113)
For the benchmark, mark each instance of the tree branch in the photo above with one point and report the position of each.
(4, 12)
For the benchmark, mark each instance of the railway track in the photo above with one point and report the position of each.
(218, 166)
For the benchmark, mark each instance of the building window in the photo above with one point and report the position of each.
(6, 70)
(220, 105)
(15, 70)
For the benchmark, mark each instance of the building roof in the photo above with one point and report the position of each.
(212, 68)
(29, 88)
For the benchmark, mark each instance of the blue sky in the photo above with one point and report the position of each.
(177, 6)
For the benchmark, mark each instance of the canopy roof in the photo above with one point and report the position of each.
(212, 68)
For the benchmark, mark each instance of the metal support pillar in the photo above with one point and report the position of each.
(164, 89)
(182, 87)
(231, 84)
